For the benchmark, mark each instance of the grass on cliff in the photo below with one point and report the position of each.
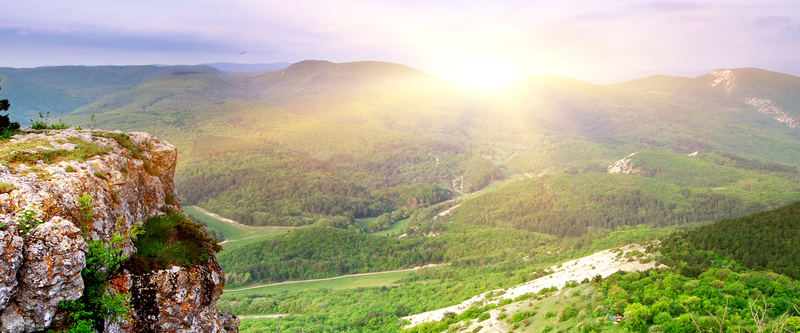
(29, 152)
(125, 141)
(6, 187)
(170, 240)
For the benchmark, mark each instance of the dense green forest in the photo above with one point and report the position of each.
(321, 252)
(570, 205)
(768, 240)
(718, 299)
(300, 188)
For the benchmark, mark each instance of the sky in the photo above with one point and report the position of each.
(599, 41)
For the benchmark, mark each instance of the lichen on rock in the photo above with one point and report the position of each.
(54, 255)
(182, 290)
(10, 260)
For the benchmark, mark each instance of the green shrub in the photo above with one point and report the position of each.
(7, 128)
(6, 133)
(171, 239)
(99, 303)
(522, 315)
(170, 199)
(27, 221)
(6, 187)
(44, 123)
(568, 312)
(100, 174)
(26, 152)
(86, 203)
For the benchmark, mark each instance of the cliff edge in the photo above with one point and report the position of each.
(62, 192)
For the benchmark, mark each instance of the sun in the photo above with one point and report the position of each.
(483, 74)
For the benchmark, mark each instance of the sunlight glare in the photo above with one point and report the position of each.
(484, 74)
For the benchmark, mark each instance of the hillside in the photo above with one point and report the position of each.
(372, 94)
(319, 139)
(762, 241)
(718, 277)
(759, 110)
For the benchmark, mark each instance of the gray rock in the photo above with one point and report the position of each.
(10, 260)
(179, 300)
(42, 268)
(54, 255)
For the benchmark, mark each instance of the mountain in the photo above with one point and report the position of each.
(499, 185)
(366, 129)
(374, 94)
(756, 110)
(236, 69)
(62, 89)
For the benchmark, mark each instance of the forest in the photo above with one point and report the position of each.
(767, 240)
(688, 293)
(278, 188)
(563, 205)
(320, 252)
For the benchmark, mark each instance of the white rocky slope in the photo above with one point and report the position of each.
(129, 179)
(603, 263)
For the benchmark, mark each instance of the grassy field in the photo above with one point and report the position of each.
(345, 282)
(395, 229)
(236, 235)
(365, 222)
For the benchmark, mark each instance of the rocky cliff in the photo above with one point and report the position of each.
(63, 189)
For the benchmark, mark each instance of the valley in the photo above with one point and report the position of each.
(370, 196)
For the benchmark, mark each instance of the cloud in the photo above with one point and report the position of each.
(674, 6)
(568, 37)
(771, 21)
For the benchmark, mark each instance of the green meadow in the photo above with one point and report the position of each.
(236, 235)
(337, 283)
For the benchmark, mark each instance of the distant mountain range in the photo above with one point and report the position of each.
(248, 68)
(367, 138)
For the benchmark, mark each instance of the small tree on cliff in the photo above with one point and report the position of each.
(7, 128)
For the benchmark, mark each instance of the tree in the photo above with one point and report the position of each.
(6, 126)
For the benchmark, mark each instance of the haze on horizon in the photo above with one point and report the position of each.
(598, 42)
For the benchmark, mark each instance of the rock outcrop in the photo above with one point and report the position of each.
(768, 107)
(624, 166)
(88, 185)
